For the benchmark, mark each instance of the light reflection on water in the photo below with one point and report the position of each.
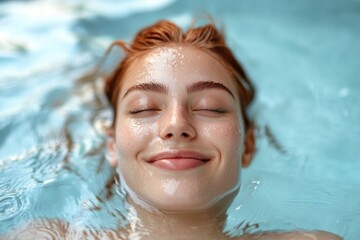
(301, 56)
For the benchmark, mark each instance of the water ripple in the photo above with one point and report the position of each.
(41, 229)
(13, 205)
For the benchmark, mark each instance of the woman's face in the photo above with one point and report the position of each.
(179, 132)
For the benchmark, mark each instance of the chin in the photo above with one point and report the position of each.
(181, 194)
(191, 205)
(192, 201)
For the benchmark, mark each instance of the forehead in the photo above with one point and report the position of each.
(176, 63)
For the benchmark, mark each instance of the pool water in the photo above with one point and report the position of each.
(303, 57)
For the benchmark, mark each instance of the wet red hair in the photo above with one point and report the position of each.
(164, 33)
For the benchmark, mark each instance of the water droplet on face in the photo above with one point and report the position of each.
(170, 186)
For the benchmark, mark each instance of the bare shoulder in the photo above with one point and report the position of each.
(297, 235)
(38, 229)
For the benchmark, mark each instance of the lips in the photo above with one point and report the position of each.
(178, 160)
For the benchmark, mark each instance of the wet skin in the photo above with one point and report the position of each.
(179, 132)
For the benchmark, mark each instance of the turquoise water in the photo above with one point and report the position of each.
(303, 57)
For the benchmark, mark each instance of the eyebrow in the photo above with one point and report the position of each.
(203, 85)
(151, 86)
(195, 87)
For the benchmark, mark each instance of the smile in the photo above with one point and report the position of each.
(178, 160)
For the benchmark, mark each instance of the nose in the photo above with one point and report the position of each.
(176, 124)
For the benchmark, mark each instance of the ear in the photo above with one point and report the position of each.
(249, 147)
(111, 148)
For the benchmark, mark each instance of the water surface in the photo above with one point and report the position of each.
(301, 55)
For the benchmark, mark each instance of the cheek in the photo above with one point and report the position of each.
(231, 147)
(226, 136)
(132, 136)
(130, 132)
(233, 138)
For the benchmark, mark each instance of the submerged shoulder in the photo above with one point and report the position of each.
(298, 235)
(58, 229)
(38, 229)
(326, 235)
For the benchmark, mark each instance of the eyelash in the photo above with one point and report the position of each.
(216, 110)
(136, 111)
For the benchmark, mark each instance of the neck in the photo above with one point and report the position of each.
(205, 224)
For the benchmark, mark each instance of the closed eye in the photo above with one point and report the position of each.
(216, 110)
(141, 110)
